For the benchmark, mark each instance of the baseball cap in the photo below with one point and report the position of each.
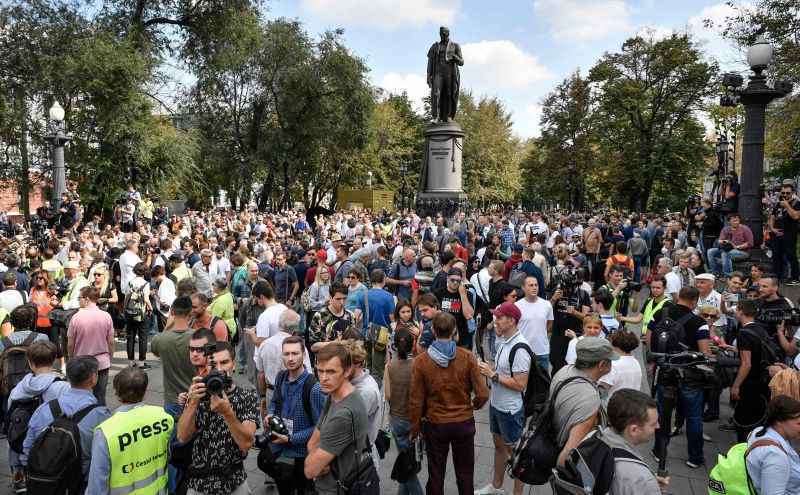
(508, 309)
(594, 350)
(705, 276)
(206, 252)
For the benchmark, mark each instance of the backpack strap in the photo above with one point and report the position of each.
(308, 387)
(7, 344)
(762, 443)
(619, 453)
(29, 339)
(55, 409)
(78, 416)
(277, 392)
(512, 353)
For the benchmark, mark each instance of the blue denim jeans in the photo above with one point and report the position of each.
(690, 400)
(727, 259)
(544, 361)
(400, 429)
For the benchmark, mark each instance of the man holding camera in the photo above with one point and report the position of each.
(297, 404)
(687, 392)
(783, 226)
(570, 305)
(735, 242)
(220, 419)
(772, 310)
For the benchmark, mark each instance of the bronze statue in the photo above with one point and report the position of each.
(444, 78)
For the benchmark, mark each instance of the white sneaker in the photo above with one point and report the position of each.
(706, 438)
(490, 490)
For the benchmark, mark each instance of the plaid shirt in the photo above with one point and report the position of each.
(506, 237)
(293, 409)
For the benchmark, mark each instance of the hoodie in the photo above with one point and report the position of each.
(631, 476)
(442, 352)
(33, 385)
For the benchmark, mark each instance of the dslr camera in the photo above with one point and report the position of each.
(216, 382)
(776, 316)
(276, 426)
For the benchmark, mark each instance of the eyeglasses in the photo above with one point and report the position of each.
(351, 276)
(709, 315)
(454, 280)
(196, 349)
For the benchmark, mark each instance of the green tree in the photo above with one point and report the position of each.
(650, 140)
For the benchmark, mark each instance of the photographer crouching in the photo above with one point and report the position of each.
(296, 405)
(217, 428)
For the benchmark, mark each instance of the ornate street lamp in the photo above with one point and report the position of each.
(58, 139)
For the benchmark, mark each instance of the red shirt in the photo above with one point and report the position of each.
(220, 329)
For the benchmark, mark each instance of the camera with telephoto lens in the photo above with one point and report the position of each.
(276, 426)
(631, 286)
(776, 316)
(567, 281)
(216, 381)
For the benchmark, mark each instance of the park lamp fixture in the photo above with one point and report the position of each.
(57, 112)
(759, 56)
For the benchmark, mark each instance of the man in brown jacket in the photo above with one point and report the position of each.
(443, 382)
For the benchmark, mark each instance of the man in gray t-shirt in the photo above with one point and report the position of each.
(341, 433)
(577, 406)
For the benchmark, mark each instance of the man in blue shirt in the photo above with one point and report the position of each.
(82, 376)
(376, 306)
(289, 403)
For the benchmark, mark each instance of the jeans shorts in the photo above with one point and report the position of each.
(508, 425)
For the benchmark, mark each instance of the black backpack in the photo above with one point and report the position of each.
(308, 385)
(534, 398)
(14, 363)
(669, 334)
(517, 276)
(19, 415)
(590, 467)
(54, 463)
(535, 454)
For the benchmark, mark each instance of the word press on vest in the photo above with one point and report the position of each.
(146, 431)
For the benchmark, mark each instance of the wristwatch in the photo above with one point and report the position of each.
(495, 378)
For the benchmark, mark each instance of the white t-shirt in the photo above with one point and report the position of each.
(267, 324)
(610, 323)
(626, 372)
(674, 283)
(533, 324)
(713, 299)
(572, 354)
(269, 357)
(127, 261)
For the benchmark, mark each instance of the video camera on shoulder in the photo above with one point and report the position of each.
(216, 381)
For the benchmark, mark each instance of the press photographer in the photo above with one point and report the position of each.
(218, 427)
(778, 316)
(295, 408)
(783, 225)
(621, 287)
(570, 305)
(675, 328)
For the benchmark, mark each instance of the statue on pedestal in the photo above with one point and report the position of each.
(444, 79)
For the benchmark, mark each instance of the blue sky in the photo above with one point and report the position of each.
(517, 50)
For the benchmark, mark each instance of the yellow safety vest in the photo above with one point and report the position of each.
(181, 272)
(138, 445)
(649, 311)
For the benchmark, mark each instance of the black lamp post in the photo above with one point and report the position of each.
(58, 139)
(755, 97)
(403, 171)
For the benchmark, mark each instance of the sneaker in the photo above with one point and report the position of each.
(18, 483)
(793, 282)
(706, 438)
(710, 418)
(693, 465)
(132, 364)
(676, 430)
(490, 490)
(145, 366)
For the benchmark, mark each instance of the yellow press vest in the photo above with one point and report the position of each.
(138, 446)
(649, 311)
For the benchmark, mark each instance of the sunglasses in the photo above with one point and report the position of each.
(708, 315)
(196, 349)
(454, 280)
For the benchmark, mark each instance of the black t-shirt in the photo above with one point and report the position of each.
(750, 339)
(564, 320)
(451, 303)
(772, 329)
(695, 328)
(782, 219)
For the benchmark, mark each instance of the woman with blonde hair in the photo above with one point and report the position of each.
(786, 382)
(102, 282)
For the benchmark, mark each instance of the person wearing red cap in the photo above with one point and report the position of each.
(506, 411)
(311, 273)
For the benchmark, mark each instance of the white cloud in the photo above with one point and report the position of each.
(655, 33)
(385, 14)
(500, 64)
(713, 43)
(527, 122)
(413, 84)
(584, 20)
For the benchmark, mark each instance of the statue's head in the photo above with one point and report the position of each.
(444, 33)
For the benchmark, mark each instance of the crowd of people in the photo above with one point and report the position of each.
(314, 339)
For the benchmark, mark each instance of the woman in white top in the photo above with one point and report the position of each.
(592, 327)
(319, 291)
(626, 372)
(772, 463)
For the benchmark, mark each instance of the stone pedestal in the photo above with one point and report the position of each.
(440, 186)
